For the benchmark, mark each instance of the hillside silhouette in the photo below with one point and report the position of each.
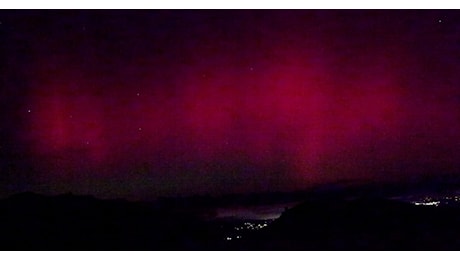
(360, 224)
(68, 222)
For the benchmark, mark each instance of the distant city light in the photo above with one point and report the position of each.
(431, 203)
(238, 231)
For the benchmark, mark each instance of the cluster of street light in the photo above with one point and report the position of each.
(251, 226)
(430, 201)
(246, 227)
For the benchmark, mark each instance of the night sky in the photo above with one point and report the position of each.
(147, 103)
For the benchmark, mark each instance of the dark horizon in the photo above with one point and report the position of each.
(143, 104)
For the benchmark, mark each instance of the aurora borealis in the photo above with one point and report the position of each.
(154, 102)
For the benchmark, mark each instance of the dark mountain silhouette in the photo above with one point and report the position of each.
(359, 224)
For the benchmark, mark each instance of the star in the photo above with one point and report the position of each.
(140, 128)
(28, 111)
(138, 94)
(439, 21)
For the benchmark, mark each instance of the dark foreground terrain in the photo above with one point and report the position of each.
(361, 224)
(67, 222)
(34, 222)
